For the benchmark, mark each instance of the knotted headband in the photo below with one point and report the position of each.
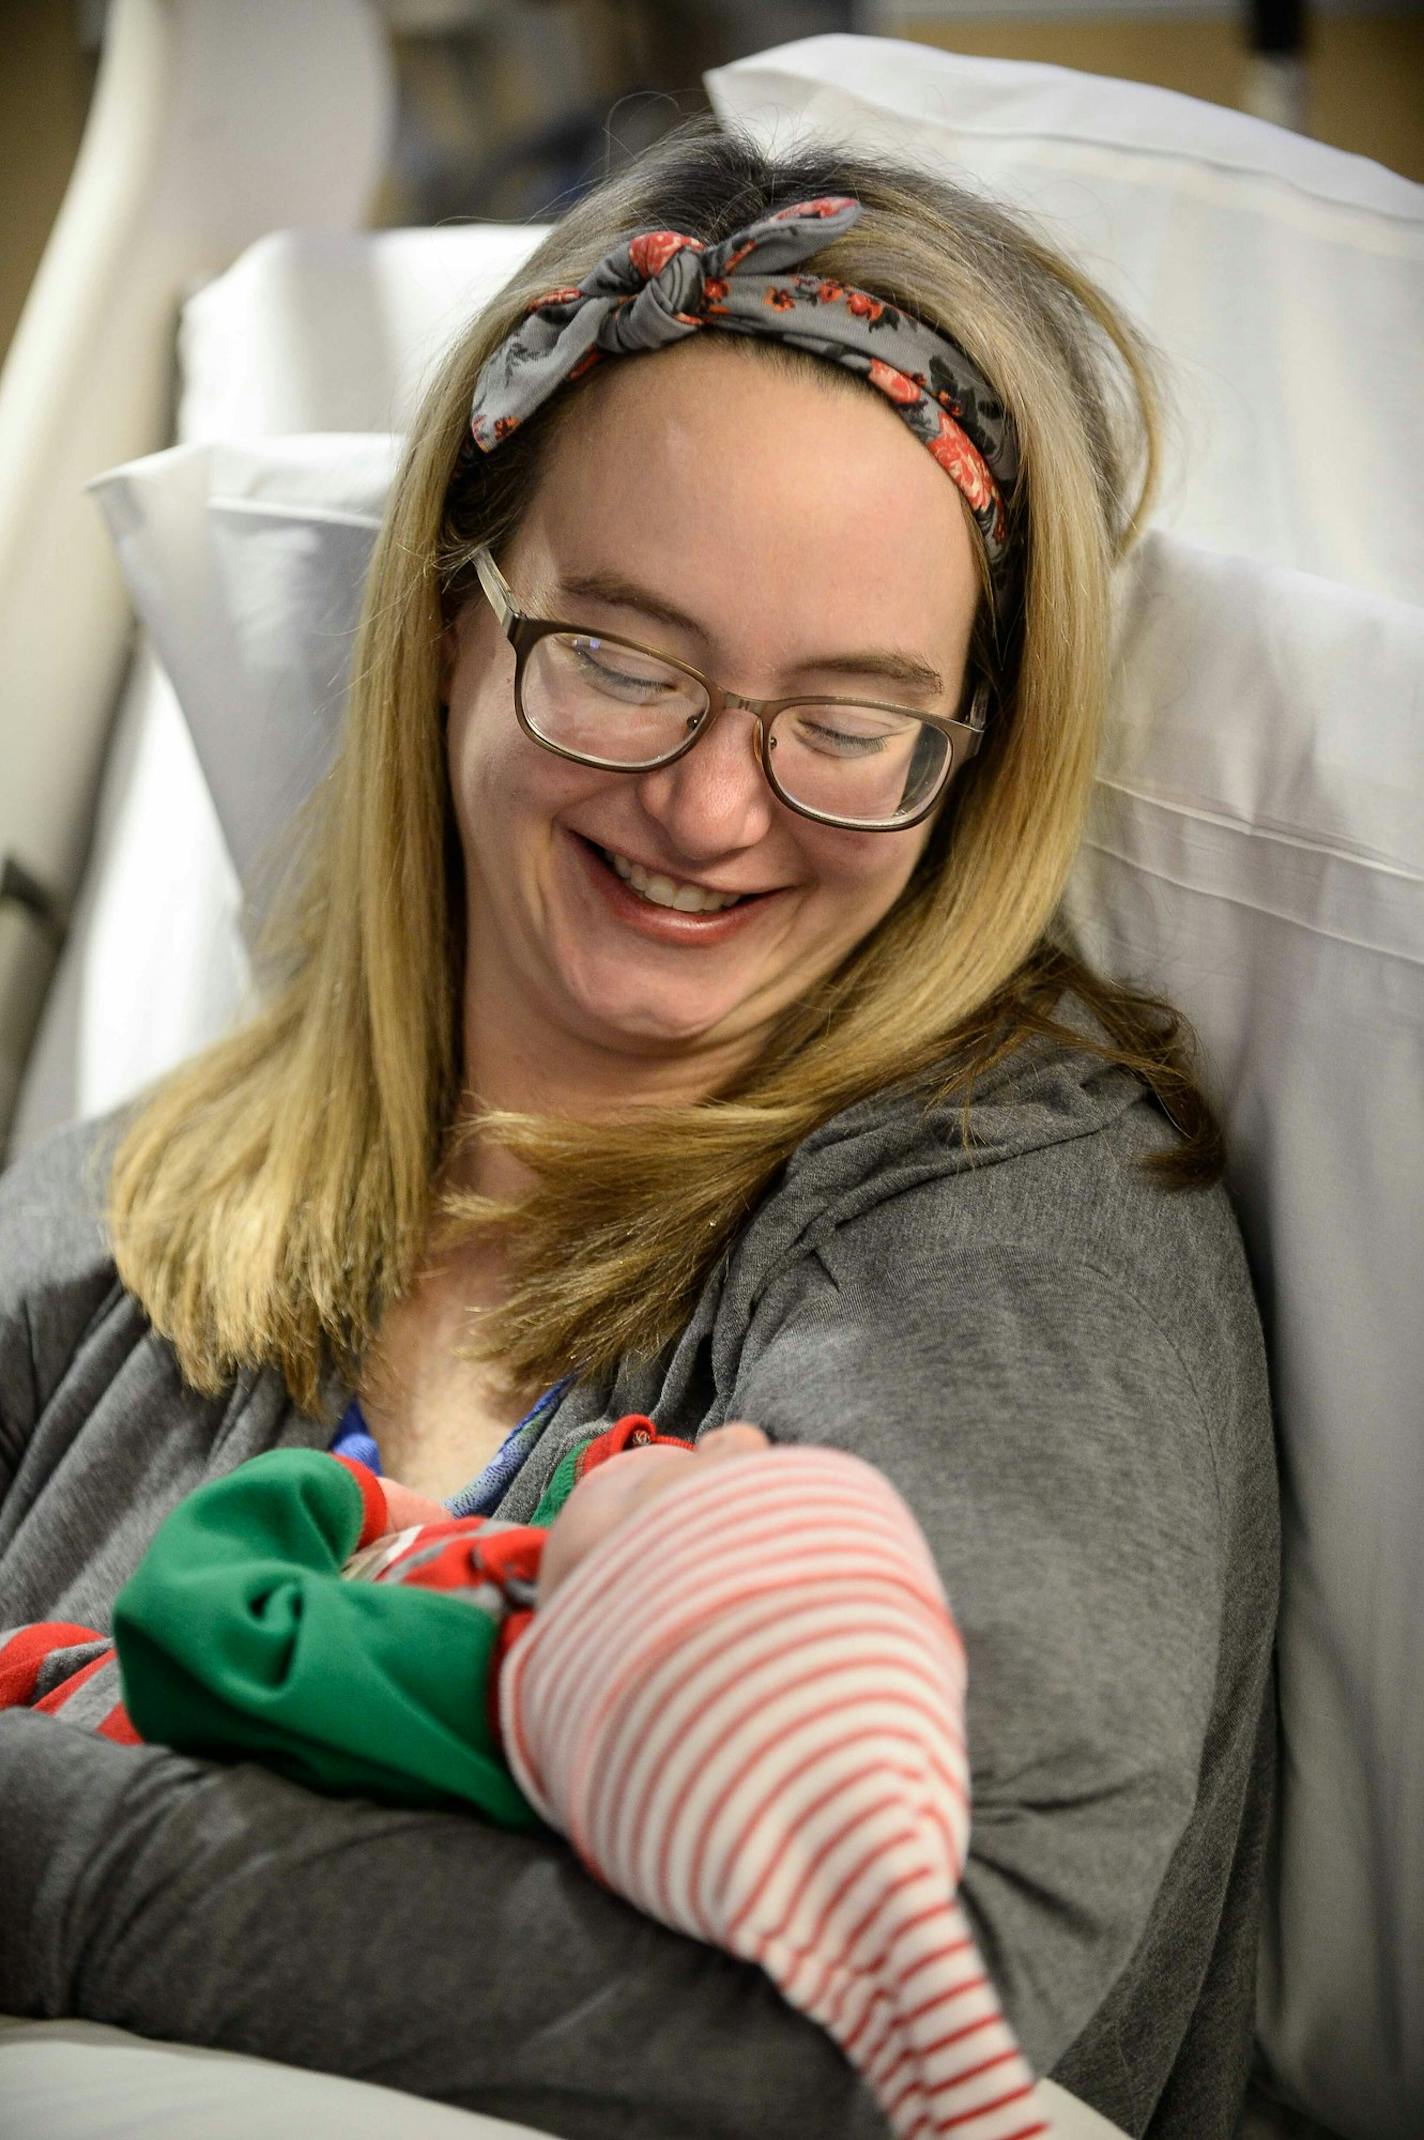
(660, 287)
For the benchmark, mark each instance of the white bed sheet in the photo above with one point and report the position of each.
(76, 2080)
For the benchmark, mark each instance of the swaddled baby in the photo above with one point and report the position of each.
(728, 1675)
(771, 1757)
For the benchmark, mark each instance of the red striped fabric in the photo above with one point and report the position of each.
(745, 1710)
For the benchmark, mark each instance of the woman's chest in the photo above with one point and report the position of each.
(441, 1437)
(438, 1415)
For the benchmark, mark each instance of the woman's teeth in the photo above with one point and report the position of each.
(665, 891)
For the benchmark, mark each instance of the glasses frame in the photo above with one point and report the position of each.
(524, 633)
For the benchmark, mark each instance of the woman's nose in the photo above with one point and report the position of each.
(715, 797)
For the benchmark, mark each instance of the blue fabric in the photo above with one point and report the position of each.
(353, 1437)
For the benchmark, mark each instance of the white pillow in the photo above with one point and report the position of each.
(1283, 277)
(245, 565)
(335, 330)
(307, 331)
(1259, 856)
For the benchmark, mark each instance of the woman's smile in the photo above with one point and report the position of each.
(665, 908)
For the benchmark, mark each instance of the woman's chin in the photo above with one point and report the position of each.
(660, 1018)
(661, 1030)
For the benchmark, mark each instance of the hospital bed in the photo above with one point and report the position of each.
(1256, 852)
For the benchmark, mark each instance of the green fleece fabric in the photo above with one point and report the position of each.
(237, 1634)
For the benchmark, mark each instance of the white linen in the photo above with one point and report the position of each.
(307, 331)
(1257, 856)
(78, 2080)
(246, 568)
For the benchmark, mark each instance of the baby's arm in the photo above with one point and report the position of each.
(771, 1758)
(242, 1635)
(238, 1637)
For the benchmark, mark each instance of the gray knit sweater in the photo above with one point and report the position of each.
(1059, 1366)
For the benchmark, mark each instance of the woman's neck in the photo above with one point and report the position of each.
(507, 1072)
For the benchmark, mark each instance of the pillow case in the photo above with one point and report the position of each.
(1285, 279)
(245, 566)
(306, 331)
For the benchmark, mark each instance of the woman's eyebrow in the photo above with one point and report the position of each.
(619, 593)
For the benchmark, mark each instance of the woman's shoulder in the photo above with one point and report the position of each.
(56, 1269)
(1051, 1123)
(1041, 1180)
(52, 1205)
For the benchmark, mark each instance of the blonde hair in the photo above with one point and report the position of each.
(269, 1199)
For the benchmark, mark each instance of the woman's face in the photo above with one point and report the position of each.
(781, 535)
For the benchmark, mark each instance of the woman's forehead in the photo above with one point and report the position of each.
(721, 481)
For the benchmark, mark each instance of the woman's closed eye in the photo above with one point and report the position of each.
(820, 734)
(607, 673)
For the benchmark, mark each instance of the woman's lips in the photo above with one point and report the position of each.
(666, 925)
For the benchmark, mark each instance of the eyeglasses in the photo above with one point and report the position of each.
(611, 703)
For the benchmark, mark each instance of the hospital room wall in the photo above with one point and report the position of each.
(47, 73)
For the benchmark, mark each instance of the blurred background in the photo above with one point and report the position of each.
(509, 107)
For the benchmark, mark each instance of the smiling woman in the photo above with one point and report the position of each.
(669, 1020)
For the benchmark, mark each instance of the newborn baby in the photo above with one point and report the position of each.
(769, 1756)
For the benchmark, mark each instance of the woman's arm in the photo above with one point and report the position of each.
(1058, 1457)
(55, 1274)
(426, 1951)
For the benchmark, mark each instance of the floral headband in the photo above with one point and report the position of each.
(661, 287)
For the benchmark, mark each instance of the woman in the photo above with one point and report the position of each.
(672, 985)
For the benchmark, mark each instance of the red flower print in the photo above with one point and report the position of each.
(503, 425)
(651, 252)
(781, 300)
(946, 400)
(863, 305)
(827, 205)
(585, 363)
(829, 293)
(714, 289)
(895, 384)
(554, 297)
(961, 460)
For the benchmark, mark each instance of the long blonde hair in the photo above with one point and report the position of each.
(270, 1198)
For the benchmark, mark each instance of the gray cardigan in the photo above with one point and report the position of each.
(1060, 1367)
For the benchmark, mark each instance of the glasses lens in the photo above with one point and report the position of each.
(861, 762)
(607, 701)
